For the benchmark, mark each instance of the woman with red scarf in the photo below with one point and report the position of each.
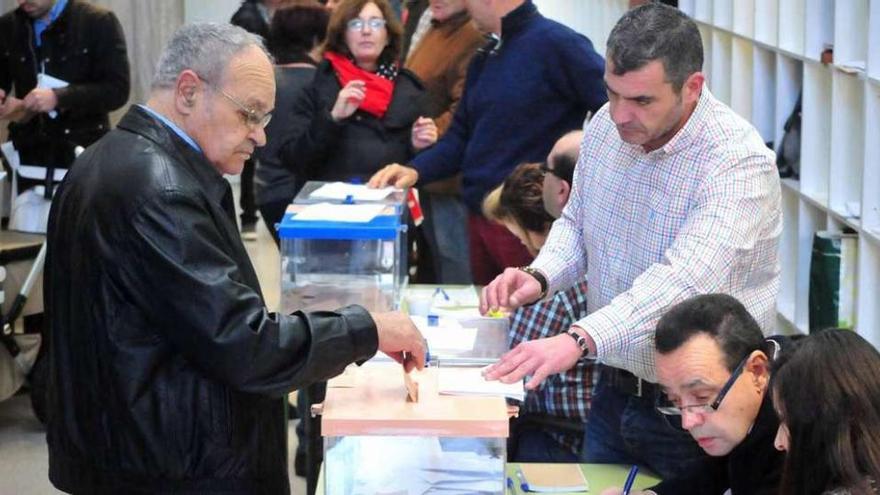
(361, 111)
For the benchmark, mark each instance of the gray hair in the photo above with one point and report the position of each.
(657, 32)
(205, 48)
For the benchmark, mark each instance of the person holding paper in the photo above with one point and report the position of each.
(714, 368)
(674, 195)
(168, 372)
(68, 62)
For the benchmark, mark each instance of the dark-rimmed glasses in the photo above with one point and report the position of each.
(545, 169)
(669, 409)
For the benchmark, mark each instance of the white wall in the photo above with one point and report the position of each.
(209, 10)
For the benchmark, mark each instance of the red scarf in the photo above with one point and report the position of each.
(378, 89)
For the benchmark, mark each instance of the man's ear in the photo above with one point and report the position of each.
(692, 87)
(758, 366)
(186, 91)
(564, 192)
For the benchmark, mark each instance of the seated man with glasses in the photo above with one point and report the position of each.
(713, 365)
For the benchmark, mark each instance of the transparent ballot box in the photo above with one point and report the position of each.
(378, 441)
(336, 253)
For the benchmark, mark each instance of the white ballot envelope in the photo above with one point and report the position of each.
(45, 81)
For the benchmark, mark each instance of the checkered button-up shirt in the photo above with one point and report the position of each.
(701, 214)
(565, 395)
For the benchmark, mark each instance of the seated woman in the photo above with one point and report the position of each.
(361, 110)
(550, 427)
(826, 391)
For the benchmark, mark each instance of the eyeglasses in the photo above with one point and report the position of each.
(544, 167)
(357, 24)
(252, 118)
(672, 410)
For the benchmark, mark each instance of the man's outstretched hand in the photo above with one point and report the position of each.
(400, 339)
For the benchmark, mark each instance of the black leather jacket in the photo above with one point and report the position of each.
(168, 372)
(84, 46)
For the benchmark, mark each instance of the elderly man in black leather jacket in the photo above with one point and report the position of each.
(168, 372)
(76, 42)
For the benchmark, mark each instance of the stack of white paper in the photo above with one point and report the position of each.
(358, 192)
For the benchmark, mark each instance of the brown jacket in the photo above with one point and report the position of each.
(441, 60)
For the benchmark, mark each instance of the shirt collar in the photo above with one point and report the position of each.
(685, 135)
(41, 24)
(174, 127)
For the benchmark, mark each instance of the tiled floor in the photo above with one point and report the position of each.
(23, 456)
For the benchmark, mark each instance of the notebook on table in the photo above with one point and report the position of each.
(553, 478)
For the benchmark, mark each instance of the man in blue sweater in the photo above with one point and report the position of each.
(535, 80)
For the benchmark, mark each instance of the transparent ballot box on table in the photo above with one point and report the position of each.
(376, 441)
(335, 253)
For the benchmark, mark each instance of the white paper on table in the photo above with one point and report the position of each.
(328, 212)
(45, 81)
(463, 297)
(447, 335)
(470, 381)
(358, 192)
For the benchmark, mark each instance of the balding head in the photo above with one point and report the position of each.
(560, 164)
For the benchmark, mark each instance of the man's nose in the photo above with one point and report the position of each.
(620, 114)
(258, 136)
(690, 419)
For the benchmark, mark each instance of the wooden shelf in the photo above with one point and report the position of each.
(791, 25)
(850, 31)
(720, 80)
(874, 41)
(767, 22)
(819, 28)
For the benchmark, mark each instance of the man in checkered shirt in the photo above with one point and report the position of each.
(674, 195)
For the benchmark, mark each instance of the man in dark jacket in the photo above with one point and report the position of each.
(168, 372)
(713, 364)
(73, 41)
(536, 80)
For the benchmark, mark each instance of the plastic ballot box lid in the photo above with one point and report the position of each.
(372, 401)
(385, 225)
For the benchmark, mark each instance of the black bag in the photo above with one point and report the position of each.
(788, 157)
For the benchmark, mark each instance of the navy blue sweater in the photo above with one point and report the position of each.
(518, 100)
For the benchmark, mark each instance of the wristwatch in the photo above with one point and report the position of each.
(539, 277)
(581, 341)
